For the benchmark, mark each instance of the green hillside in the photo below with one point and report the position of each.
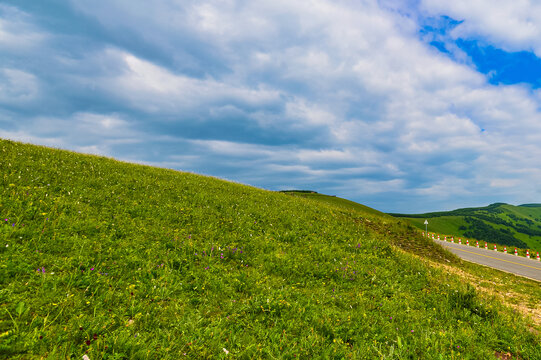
(334, 200)
(123, 261)
(515, 226)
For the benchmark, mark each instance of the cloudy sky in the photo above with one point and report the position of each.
(405, 106)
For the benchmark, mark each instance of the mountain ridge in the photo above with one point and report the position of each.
(499, 223)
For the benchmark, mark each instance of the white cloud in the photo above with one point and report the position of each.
(328, 155)
(512, 25)
(26, 136)
(309, 114)
(17, 86)
(84, 132)
(504, 183)
(338, 95)
(155, 89)
(235, 149)
(17, 32)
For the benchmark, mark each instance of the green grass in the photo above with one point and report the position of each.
(124, 261)
(444, 225)
(337, 201)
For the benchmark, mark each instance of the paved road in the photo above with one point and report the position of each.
(518, 265)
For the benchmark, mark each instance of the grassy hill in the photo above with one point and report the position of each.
(516, 226)
(337, 201)
(123, 261)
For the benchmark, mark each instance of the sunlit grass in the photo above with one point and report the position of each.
(122, 261)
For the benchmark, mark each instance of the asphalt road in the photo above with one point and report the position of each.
(518, 265)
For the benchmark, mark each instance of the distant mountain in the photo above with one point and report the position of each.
(530, 205)
(518, 226)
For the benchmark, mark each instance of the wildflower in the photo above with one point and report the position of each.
(91, 269)
(411, 330)
(87, 342)
(225, 351)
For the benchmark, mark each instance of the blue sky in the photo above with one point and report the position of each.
(405, 106)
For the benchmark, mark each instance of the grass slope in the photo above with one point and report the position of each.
(124, 261)
(514, 226)
(337, 201)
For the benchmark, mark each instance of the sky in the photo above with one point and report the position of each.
(402, 105)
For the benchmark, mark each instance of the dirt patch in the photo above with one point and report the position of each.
(504, 356)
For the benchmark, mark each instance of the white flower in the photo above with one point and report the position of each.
(225, 351)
